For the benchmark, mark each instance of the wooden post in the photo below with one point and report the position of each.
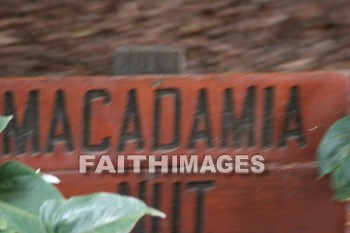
(130, 60)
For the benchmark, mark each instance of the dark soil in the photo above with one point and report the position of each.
(66, 37)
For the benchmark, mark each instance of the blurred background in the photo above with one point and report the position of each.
(69, 37)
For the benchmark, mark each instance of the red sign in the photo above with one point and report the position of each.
(282, 116)
(286, 200)
(279, 116)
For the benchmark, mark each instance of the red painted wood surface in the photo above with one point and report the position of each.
(287, 201)
(321, 99)
(288, 198)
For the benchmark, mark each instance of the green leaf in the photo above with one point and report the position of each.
(15, 220)
(341, 175)
(4, 120)
(334, 147)
(96, 213)
(336, 160)
(342, 193)
(340, 180)
(22, 187)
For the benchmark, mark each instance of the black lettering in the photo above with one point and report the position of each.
(131, 115)
(293, 118)
(89, 97)
(60, 115)
(267, 138)
(201, 114)
(239, 127)
(140, 226)
(200, 187)
(175, 220)
(30, 125)
(123, 188)
(162, 93)
(157, 194)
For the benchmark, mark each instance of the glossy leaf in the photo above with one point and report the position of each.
(334, 157)
(96, 213)
(15, 220)
(4, 120)
(334, 147)
(23, 188)
(341, 175)
(342, 193)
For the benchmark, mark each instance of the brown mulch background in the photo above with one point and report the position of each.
(66, 37)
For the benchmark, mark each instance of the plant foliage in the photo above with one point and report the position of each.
(29, 204)
(4, 120)
(334, 157)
